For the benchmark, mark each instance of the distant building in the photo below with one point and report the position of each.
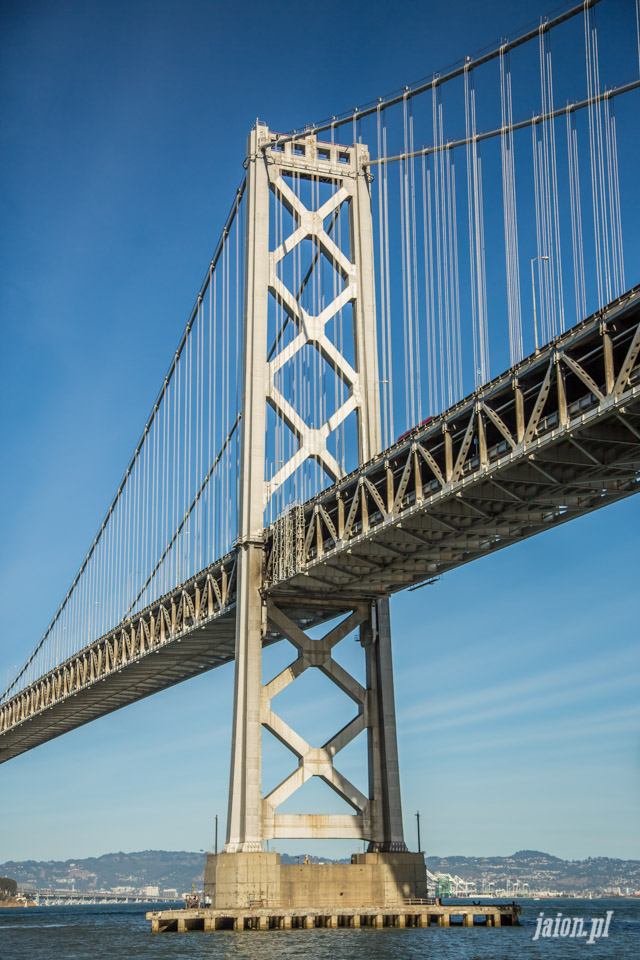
(151, 891)
(170, 893)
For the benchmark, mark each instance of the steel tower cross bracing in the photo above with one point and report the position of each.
(252, 819)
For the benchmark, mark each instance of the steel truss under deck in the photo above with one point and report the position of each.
(552, 439)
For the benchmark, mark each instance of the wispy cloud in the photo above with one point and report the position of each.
(570, 682)
(605, 724)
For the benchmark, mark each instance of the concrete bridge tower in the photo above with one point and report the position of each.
(244, 871)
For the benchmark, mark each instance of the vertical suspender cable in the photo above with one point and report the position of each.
(410, 418)
(613, 182)
(476, 244)
(470, 203)
(237, 377)
(545, 263)
(437, 180)
(390, 392)
(576, 217)
(455, 281)
(510, 214)
(429, 287)
(554, 226)
(617, 211)
(414, 273)
(384, 391)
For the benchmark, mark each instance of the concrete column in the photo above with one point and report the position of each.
(497, 919)
(384, 779)
(286, 923)
(384, 774)
(443, 920)
(155, 925)
(401, 920)
(355, 920)
(468, 920)
(263, 923)
(610, 379)
(309, 922)
(209, 924)
(182, 925)
(379, 920)
(333, 921)
(519, 405)
(244, 821)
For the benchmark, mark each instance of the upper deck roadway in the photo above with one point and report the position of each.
(555, 437)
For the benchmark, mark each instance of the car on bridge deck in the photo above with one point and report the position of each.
(408, 433)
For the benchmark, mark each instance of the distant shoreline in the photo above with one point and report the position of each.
(168, 874)
(21, 904)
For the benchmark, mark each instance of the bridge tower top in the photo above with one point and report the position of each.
(276, 168)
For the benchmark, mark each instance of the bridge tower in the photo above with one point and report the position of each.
(244, 871)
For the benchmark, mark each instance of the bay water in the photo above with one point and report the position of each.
(121, 932)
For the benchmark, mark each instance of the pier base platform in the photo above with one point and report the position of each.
(287, 917)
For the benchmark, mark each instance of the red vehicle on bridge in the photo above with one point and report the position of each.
(417, 427)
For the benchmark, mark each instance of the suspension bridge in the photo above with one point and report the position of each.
(364, 398)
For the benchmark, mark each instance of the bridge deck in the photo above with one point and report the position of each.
(552, 439)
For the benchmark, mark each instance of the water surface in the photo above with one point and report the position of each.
(121, 932)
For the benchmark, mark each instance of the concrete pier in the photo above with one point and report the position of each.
(284, 916)
(234, 880)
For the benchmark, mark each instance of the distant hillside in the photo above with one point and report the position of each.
(179, 869)
(543, 871)
(165, 869)
(162, 868)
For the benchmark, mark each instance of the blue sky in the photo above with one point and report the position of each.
(123, 138)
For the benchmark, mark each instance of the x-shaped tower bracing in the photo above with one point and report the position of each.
(343, 167)
(316, 761)
(311, 329)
